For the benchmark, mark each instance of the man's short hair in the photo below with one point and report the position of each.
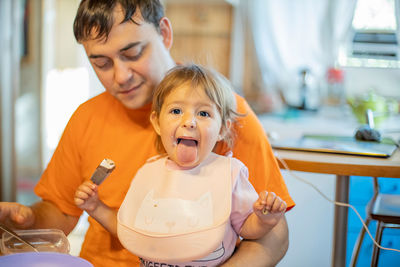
(94, 18)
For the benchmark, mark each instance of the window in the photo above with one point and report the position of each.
(373, 41)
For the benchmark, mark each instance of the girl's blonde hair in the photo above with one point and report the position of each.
(214, 84)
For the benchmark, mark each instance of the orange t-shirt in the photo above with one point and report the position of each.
(102, 128)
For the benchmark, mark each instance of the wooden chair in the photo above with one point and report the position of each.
(385, 210)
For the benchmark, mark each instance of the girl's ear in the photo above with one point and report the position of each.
(224, 130)
(166, 32)
(155, 122)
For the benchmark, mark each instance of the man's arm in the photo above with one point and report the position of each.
(264, 252)
(41, 215)
(47, 215)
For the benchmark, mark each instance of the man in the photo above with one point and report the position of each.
(128, 44)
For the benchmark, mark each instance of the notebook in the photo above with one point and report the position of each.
(346, 145)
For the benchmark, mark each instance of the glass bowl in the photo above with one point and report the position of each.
(44, 240)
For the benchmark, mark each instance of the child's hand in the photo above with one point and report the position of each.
(86, 196)
(269, 207)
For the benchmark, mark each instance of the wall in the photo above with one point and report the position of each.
(28, 108)
(63, 60)
(9, 83)
(385, 80)
(310, 221)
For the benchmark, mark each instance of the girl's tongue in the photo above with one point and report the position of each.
(186, 151)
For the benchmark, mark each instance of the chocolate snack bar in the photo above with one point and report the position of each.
(102, 171)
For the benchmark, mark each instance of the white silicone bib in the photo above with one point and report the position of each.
(176, 216)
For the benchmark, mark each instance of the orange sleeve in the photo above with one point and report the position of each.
(254, 150)
(61, 177)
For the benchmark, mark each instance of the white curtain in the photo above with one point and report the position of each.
(290, 35)
(397, 14)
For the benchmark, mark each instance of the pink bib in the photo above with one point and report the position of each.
(176, 215)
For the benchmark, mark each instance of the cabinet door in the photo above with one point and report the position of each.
(202, 32)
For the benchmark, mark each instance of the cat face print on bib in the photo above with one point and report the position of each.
(174, 215)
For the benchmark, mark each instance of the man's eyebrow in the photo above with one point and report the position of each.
(127, 47)
(96, 56)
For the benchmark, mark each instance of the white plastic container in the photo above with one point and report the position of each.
(44, 240)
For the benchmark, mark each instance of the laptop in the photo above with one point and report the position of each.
(345, 145)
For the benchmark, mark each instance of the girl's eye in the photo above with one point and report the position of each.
(176, 111)
(204, 114)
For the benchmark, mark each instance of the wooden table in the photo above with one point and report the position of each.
(343, 166)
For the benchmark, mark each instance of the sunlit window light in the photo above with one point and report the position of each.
(65, 91)
(375, 15)
(371, 16)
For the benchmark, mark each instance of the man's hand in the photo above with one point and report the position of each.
(41, 215)
(16, 215)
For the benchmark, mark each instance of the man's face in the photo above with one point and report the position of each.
(133, 59)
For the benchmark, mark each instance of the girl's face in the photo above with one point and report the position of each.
(189, 125)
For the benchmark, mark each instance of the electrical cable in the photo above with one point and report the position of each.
(332, 201)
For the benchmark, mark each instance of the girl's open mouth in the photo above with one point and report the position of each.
(186, 150)
(188, 142)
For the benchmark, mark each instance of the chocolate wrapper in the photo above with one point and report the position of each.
(102, 171)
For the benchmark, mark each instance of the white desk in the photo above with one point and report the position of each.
(342, 166)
